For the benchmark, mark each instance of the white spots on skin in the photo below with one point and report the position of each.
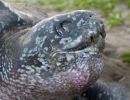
(18, 19)
(56, 36)
(25, 50)
(77, 77)
(70, 57)
(92, 50)
(27, 53)
(30, 69)
(39, 29)
(51, 31)
(41, 60)
(52, 40)
(32, 73)
(44, 67)
(23, 55)
(91, 24)
(40, 40)
(50, 27)
(58, 63)
(65, 40)
(3, 24)
(43, 26)
(41, 55)
(20, 70)
(79, 24)
(46, 48)
(74, 18)
(82, 79)
(91, 33)
(72, 44)
(5, 67)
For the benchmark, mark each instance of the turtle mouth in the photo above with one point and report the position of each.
(82, 73)
(90, 45)
(82, 47)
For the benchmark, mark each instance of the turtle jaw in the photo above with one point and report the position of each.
(86, 67)
(80, 75)
(86, 70)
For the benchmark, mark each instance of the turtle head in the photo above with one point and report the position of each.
(61, 54)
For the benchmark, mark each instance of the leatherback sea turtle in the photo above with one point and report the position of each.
(59, 58)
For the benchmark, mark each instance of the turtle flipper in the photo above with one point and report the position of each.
(119, 91)
(100, 91)
(10, 19)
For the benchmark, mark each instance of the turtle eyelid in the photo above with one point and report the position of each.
(62, 27)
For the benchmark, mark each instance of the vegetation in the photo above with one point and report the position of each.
(126, 57)
(106, 6)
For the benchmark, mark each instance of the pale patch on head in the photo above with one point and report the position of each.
(56, 36)
(80, 23)
(90, 32)
(25, 50)
(74, 18)
(70, 57)
(73, 43)
(58, 63)
(50, 27)
(40, 40)
(65, 40)
(52, 40)
(46, 48)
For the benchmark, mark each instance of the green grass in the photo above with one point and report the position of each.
(20, 1)
(126, 57)
(114, 19)
(126, 2)
(106, 6)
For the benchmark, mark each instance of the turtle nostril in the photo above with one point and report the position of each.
(92, 39)
(90, 15)
(92, 36)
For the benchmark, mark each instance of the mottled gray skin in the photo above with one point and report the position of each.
(57, 59)
(59, 56)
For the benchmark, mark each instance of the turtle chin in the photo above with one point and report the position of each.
(86, 70)
(81, 74)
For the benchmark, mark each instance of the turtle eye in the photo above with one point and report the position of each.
(63, 28)
(65, 25)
